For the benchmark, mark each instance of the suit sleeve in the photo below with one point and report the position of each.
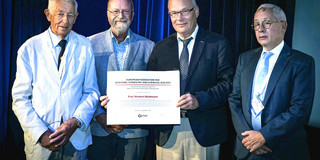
(297, 114)
(30, 121)
(217, 95)
(235, 102)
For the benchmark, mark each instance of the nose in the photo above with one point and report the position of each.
(120, 14)
(65, 18)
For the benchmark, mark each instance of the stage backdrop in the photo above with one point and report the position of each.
(22, 19)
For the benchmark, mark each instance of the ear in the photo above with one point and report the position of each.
(47, 13)
(75, 17)
(196, 9)
(284, 27)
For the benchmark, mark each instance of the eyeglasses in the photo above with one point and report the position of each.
(266, 24)
(185, 12)
(117, 12)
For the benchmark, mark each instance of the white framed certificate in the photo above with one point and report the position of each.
(143, 97)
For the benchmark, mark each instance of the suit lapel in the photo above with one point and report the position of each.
(276, 72)
(50, 60)
(108, 46)
(133, 51)
(196, 52)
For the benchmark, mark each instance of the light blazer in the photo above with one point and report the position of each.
(209, 77)
(288, 101)
(140, 50)
(41, 98)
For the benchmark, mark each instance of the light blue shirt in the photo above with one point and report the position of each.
(44, 97)
(121, 50)
(256, 117)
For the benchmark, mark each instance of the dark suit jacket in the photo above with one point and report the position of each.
(288, 101)
(209, 77)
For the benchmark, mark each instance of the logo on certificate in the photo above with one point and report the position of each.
(142, 115)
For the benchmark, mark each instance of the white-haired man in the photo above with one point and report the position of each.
(55, 91)
(272, 93)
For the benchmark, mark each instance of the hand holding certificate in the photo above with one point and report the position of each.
(143, 97)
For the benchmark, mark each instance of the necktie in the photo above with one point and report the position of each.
(62, 44)
(184, 63)
(259, 91)
(264, 70)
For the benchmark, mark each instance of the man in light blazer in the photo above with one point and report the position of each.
(55, 103)
(118, 49)
(207, 84)
(273, 92)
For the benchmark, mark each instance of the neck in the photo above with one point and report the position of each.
(120, 36)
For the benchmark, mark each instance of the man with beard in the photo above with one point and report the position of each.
(117, 49)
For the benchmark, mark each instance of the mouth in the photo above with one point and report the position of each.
(64, 27)
(263, 37)
(181, 25)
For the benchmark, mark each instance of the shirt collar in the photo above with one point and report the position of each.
(56, 39)
(193, 35)
(276, 50)
(127, 39)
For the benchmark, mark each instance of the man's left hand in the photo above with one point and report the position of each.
(64, 132)
(253, 140)
(188, 102)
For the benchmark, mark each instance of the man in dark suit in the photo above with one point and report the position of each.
(272, 93)
(206, 71)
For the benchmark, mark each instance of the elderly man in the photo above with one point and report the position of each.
(118, 49)
(205, 62)
(272, 93)
(55, 91)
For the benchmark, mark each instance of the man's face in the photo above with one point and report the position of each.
(183, 24)
(120, 15)
(61, 16)
(271, 37)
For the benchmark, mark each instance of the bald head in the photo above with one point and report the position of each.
(123, 1)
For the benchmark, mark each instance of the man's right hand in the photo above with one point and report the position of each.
(103, 101)
(101, 118)
(45, 141)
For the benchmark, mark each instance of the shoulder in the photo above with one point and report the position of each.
(301, 57)
(36, 41)
(142, 39)
(82, 39)
(210, 37)
(172, 39)
(98, 36)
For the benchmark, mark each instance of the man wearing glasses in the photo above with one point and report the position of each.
(205, 62)
(55, 91)
(117, 49)
(272, 95)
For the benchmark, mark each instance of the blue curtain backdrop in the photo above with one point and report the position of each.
(22, 19)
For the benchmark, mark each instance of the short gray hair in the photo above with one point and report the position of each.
(74, 2)
(277, 11)
(193, 2)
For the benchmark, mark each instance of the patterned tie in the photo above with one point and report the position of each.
(62, 44)
(184, 63)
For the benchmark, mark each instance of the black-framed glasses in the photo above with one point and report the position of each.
(117, 12)
(266, 24)
(185, 12)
